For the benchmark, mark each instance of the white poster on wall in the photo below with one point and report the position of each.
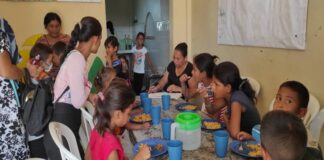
(264, 23)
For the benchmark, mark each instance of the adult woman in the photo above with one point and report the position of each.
(71, 88)
(179, 66)
(12, 133)
(52, 23)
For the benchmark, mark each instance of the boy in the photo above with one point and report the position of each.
(293, 97)
(283, 136)
(111, 45)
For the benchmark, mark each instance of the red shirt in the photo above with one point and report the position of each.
(102, 146)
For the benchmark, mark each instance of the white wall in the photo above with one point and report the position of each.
(120, 12)
(159, 46)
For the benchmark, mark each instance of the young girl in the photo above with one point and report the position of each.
(199, 85)
(239, 96)
(112, 60)
(102, 82)
(59, 49)
(72, 88)
(125, 66)
(112, 110)
(140, 55)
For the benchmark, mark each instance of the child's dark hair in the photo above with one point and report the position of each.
(59, 48)
(118, 97)
(41, 50)
(140, 34)
(51, 16)
(228, 73)
(183, 48)
(112, 40)
(283, 135)
(88, 27)
(300, 89)
(104, 74)
(205, 62)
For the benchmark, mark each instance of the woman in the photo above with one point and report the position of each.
(52, 23)
(12, 132)
(71, 88)
(178, 67)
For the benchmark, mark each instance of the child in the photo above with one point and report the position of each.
(293, 97)
(111, 45)
(59, 49)
(103, 80)
(200, 82)
(283, 136)
(112, 110)
(125, 67)
(239, 97)
(140, 55)
(41, 58)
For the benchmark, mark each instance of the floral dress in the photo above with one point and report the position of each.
(13, 143)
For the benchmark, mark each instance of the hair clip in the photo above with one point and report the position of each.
(242, 83)
(37, 57)
(101, 96)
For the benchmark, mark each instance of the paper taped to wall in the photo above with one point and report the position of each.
(266, 23)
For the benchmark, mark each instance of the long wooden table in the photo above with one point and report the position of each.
(205, 152)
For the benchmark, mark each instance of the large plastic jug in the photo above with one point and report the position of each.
(187, 128)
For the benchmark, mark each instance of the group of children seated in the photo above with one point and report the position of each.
(227, 98)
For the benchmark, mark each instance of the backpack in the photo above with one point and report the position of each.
(36, 101)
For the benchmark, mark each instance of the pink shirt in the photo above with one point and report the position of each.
(73, 74)
(102, 146)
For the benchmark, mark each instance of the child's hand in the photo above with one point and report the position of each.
(202, 91)
(144, 152)
(173, 88)
(184, 78)
(241, 136)
(152, 89)
(146, 125)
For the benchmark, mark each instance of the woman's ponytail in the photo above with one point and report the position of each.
(73, 41)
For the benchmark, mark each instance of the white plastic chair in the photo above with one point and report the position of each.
(316, 127)
(59, 130)
(313, 108)
(87, 120)
(255, 84)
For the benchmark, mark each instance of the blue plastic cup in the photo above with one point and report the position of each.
(155, 114)
(147, 105)
(256, 133)
(221, 142)
(175, 150)
(166, 127)
(142, 96)
(166, 102)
